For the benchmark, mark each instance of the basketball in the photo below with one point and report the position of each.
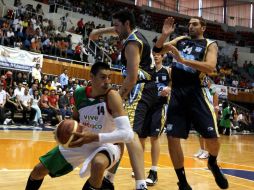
(64, 130)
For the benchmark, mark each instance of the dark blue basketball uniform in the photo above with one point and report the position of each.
(156, 117)
(143, 96)
(189, 100)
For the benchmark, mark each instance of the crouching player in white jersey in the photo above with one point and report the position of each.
(100, 110)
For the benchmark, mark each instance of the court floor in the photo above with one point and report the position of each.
(20, 150)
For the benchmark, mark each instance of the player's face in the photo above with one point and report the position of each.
(195, 28)
(157, 58)
(120, 29)
(101, 81)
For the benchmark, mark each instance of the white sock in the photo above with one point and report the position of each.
(140, 184)
(154, 168)
(110, 176)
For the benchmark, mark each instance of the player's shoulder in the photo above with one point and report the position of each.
(79, 91)
(112, 93)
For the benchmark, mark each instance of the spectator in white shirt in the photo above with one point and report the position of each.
(63, 79)
(2, 103)
(36, 72)
(19, 91)
(55, 83)
(35, 105)
(26, 102)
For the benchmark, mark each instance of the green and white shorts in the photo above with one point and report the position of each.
(60, 161)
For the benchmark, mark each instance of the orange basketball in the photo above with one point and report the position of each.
(64, 130)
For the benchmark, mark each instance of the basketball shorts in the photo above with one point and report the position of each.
(155, 121)
(60, 161)
(191, 105)
(141, 100)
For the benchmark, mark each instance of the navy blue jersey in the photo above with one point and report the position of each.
(161, 79)
(189, 49)
(146, 67)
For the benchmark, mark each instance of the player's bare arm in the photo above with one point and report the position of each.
(115, 104)
(94, 35)
(132, 54)
(206, 66)
(168, 28)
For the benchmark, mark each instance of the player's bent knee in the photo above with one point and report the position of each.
(99, 164)
(39, 172)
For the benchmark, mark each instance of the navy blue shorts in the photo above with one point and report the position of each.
(141, 101)
(191, 105)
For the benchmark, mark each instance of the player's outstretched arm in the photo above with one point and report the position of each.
(206, 66)
(168, 27)
(94, 35)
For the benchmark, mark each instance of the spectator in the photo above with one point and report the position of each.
(3, 81)
(2, 103)
(35, 106)
(80, 25)
(64, 105)
(44, 81)
(49, 86)
(19, 91)
(64, 21)
(55, 83)
(53, 104)
(10, 37)
(26, 103)
(44, 105)
(63, 79)
(36, 72)
(12, 104)
(77, 51)
(32, 89)
(235, 55)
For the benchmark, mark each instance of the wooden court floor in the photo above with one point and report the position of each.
(20, 150)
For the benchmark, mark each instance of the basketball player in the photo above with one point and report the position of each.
(156, 117)
(100, 110)
(194, 57)
(138, 88)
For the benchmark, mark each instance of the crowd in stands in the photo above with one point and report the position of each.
(34, 95)
(42, 99)
(27, 29)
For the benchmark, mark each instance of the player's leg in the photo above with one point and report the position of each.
(156, 127)
(98, 166)
(136, 156)
(152, 177)
(178, 126)
(108, 179)
(49, 164)
(206, 125)
(137, 109)
(205, 153)
(36, 177)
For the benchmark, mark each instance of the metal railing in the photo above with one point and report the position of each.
(93, 47)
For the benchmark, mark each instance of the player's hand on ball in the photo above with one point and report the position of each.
(84, 137)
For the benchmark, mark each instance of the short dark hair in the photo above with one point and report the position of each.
(201, 20)
(99, 66)
(124, 15)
